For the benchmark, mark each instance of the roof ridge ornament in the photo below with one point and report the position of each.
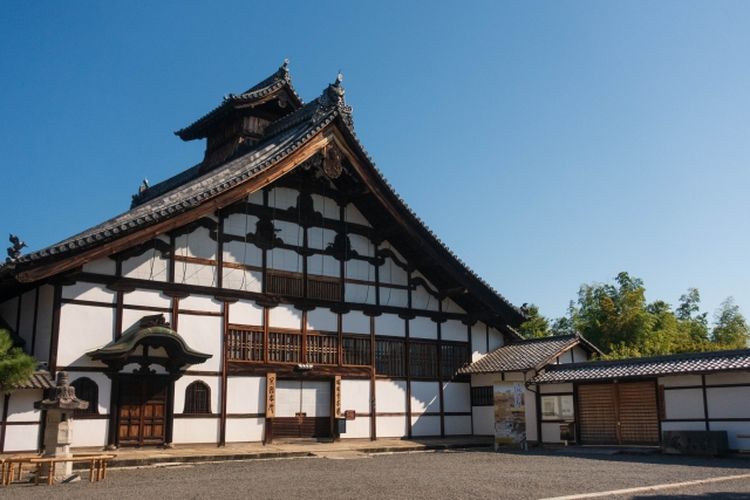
(14, 250)
(333, 98)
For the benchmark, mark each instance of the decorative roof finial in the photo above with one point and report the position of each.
(339, 78)
(144, 186)
(14, 250)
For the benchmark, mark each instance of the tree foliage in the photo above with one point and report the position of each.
(617, 318)
(15, 365)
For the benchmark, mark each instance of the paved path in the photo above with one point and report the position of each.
(450, 474)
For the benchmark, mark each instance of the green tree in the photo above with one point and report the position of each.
(730, 328)
(15, 365)
(688, 312)
(535, 325)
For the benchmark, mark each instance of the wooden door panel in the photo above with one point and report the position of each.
(638, 412)
(142, 411)
(596, 414)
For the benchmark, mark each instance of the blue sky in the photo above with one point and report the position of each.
(548, 143)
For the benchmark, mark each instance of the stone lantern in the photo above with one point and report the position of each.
(58, 433)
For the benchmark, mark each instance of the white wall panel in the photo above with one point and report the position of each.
(21, 406)
(323, 265)
(202, 303)
(326, 206)
(352, 214)
(320, 238)
(680, 380)
(423, 328)
(245, 313)
(88, 291)
(289, 232)
(195, 430)
(355, 395)
(392, 273)
(150, 265)
(391, 426)
(89, 432)
(390, 324)
(197, 243)
(728, 378)
(240, 252)
(478, 340)
(496, 339)
(456, 397)
(242, 279)
(425, 426)
(451, 307)
(284, 260)
(483, 418)
(456, 425)
(454, 330)
(425, 397)
(355, 322)
(105, 266)
(683, 426)
(362, 245)
(245, 430)
(103, 383)
(396, 297)
(240, 224)
(322, 319)
(44, 323)
(361, 294)
(21, 437)
(550, 432)
(683, 403)
(83, 329)
(256, 197)
(213, 382)
(422, 299)
(390, 396)
(151, 298)
(285, 316)
(282, 198)
(728, 402)
(203, 334)
(738, 433)
(357, 428)
(246, 395)
(26, 323)
(195, 274)
(359, 270)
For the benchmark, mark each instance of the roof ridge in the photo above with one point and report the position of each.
(655, 359)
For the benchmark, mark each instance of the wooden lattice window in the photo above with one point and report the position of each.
(282, 283)
(482, 396)
(323, 288)
(197, 398)
(355, 350)
(284, 347)
(87, 390)
(453, 357)
(423, 360)
(390, 357)
(245, 344)
(322, 348)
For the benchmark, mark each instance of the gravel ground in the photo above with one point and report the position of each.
(457, 474)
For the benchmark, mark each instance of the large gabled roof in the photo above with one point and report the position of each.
(283, 138)
(530, 354)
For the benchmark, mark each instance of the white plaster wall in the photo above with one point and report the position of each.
(242, 279)
(355, 322)
(456, 397)
(240, 252)
(284, 260)
(355, 395)
(289, 233)
(387, 245)
(478, 340)
(201, 303)
(495, 339)
(454, 330)
(361, 294)
(195, 274)
(320, 238)
(83, 329)
(550, 432)
(323, 265)
(391, 426)
(239, 224)
(150, 265)
(197, 243)
(422, 299)
(392, 273)
(151, 298)
(425, 397)
(196, 430)
(358, 428)
(326, 206)
(282, 198)
(728, 378)
(89, 432)
(103, 383)
(101, 266)
(245, 313)
(555, 388)
(21, 437)
(321, 319)
(683, 403)
(203, 334)
(213, 382)
(359, 269)
(738, 433)
(390, 324)
(26, 323)
(246, 394)
(579, 354)
(728, 402)
(88, 291)
(483, 418)
(352, 214)
(683, 426)
(565, 357)
(362, 245)
(396, 297)
(680, 380)
(451, 307)
(285, 316)
(245, 430)
(133, 316)
(256, 197)
(425, 426)
(21, 406)
(44, 323)
(423, 328)
(485, 379)
(390, 396)
(456, 425)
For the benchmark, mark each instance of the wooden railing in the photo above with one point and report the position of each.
(285, 347)
(322, 348)
(245, 345)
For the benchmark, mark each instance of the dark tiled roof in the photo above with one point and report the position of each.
(274, 83)
(284, 136)
(701, 362)
(38, 380)
(523, 355)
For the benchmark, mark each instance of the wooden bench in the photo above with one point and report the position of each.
(97, 466)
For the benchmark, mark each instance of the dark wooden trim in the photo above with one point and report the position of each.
(24, 422)
(193, 312)
(18, 313)
(133, 307)
(32, 348)
(92, 303)
(196, 415)
(538, 402)
(728, 419)
(246, 415)
(203, 373)
(89, 369)
(119, 299)
(373, 401)
(708, 386)
(175, 313)
(114, 410)
(171, 264)
(6, 403)
(705, 403)
(223, 415)
(289, 370)
(55, 331)
(407, 355)
(220, 251)
(441, 375)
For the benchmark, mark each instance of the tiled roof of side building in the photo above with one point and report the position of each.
(523, 355)
(40, 379)
(702, 362)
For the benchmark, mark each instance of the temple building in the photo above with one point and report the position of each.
(279, 288)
